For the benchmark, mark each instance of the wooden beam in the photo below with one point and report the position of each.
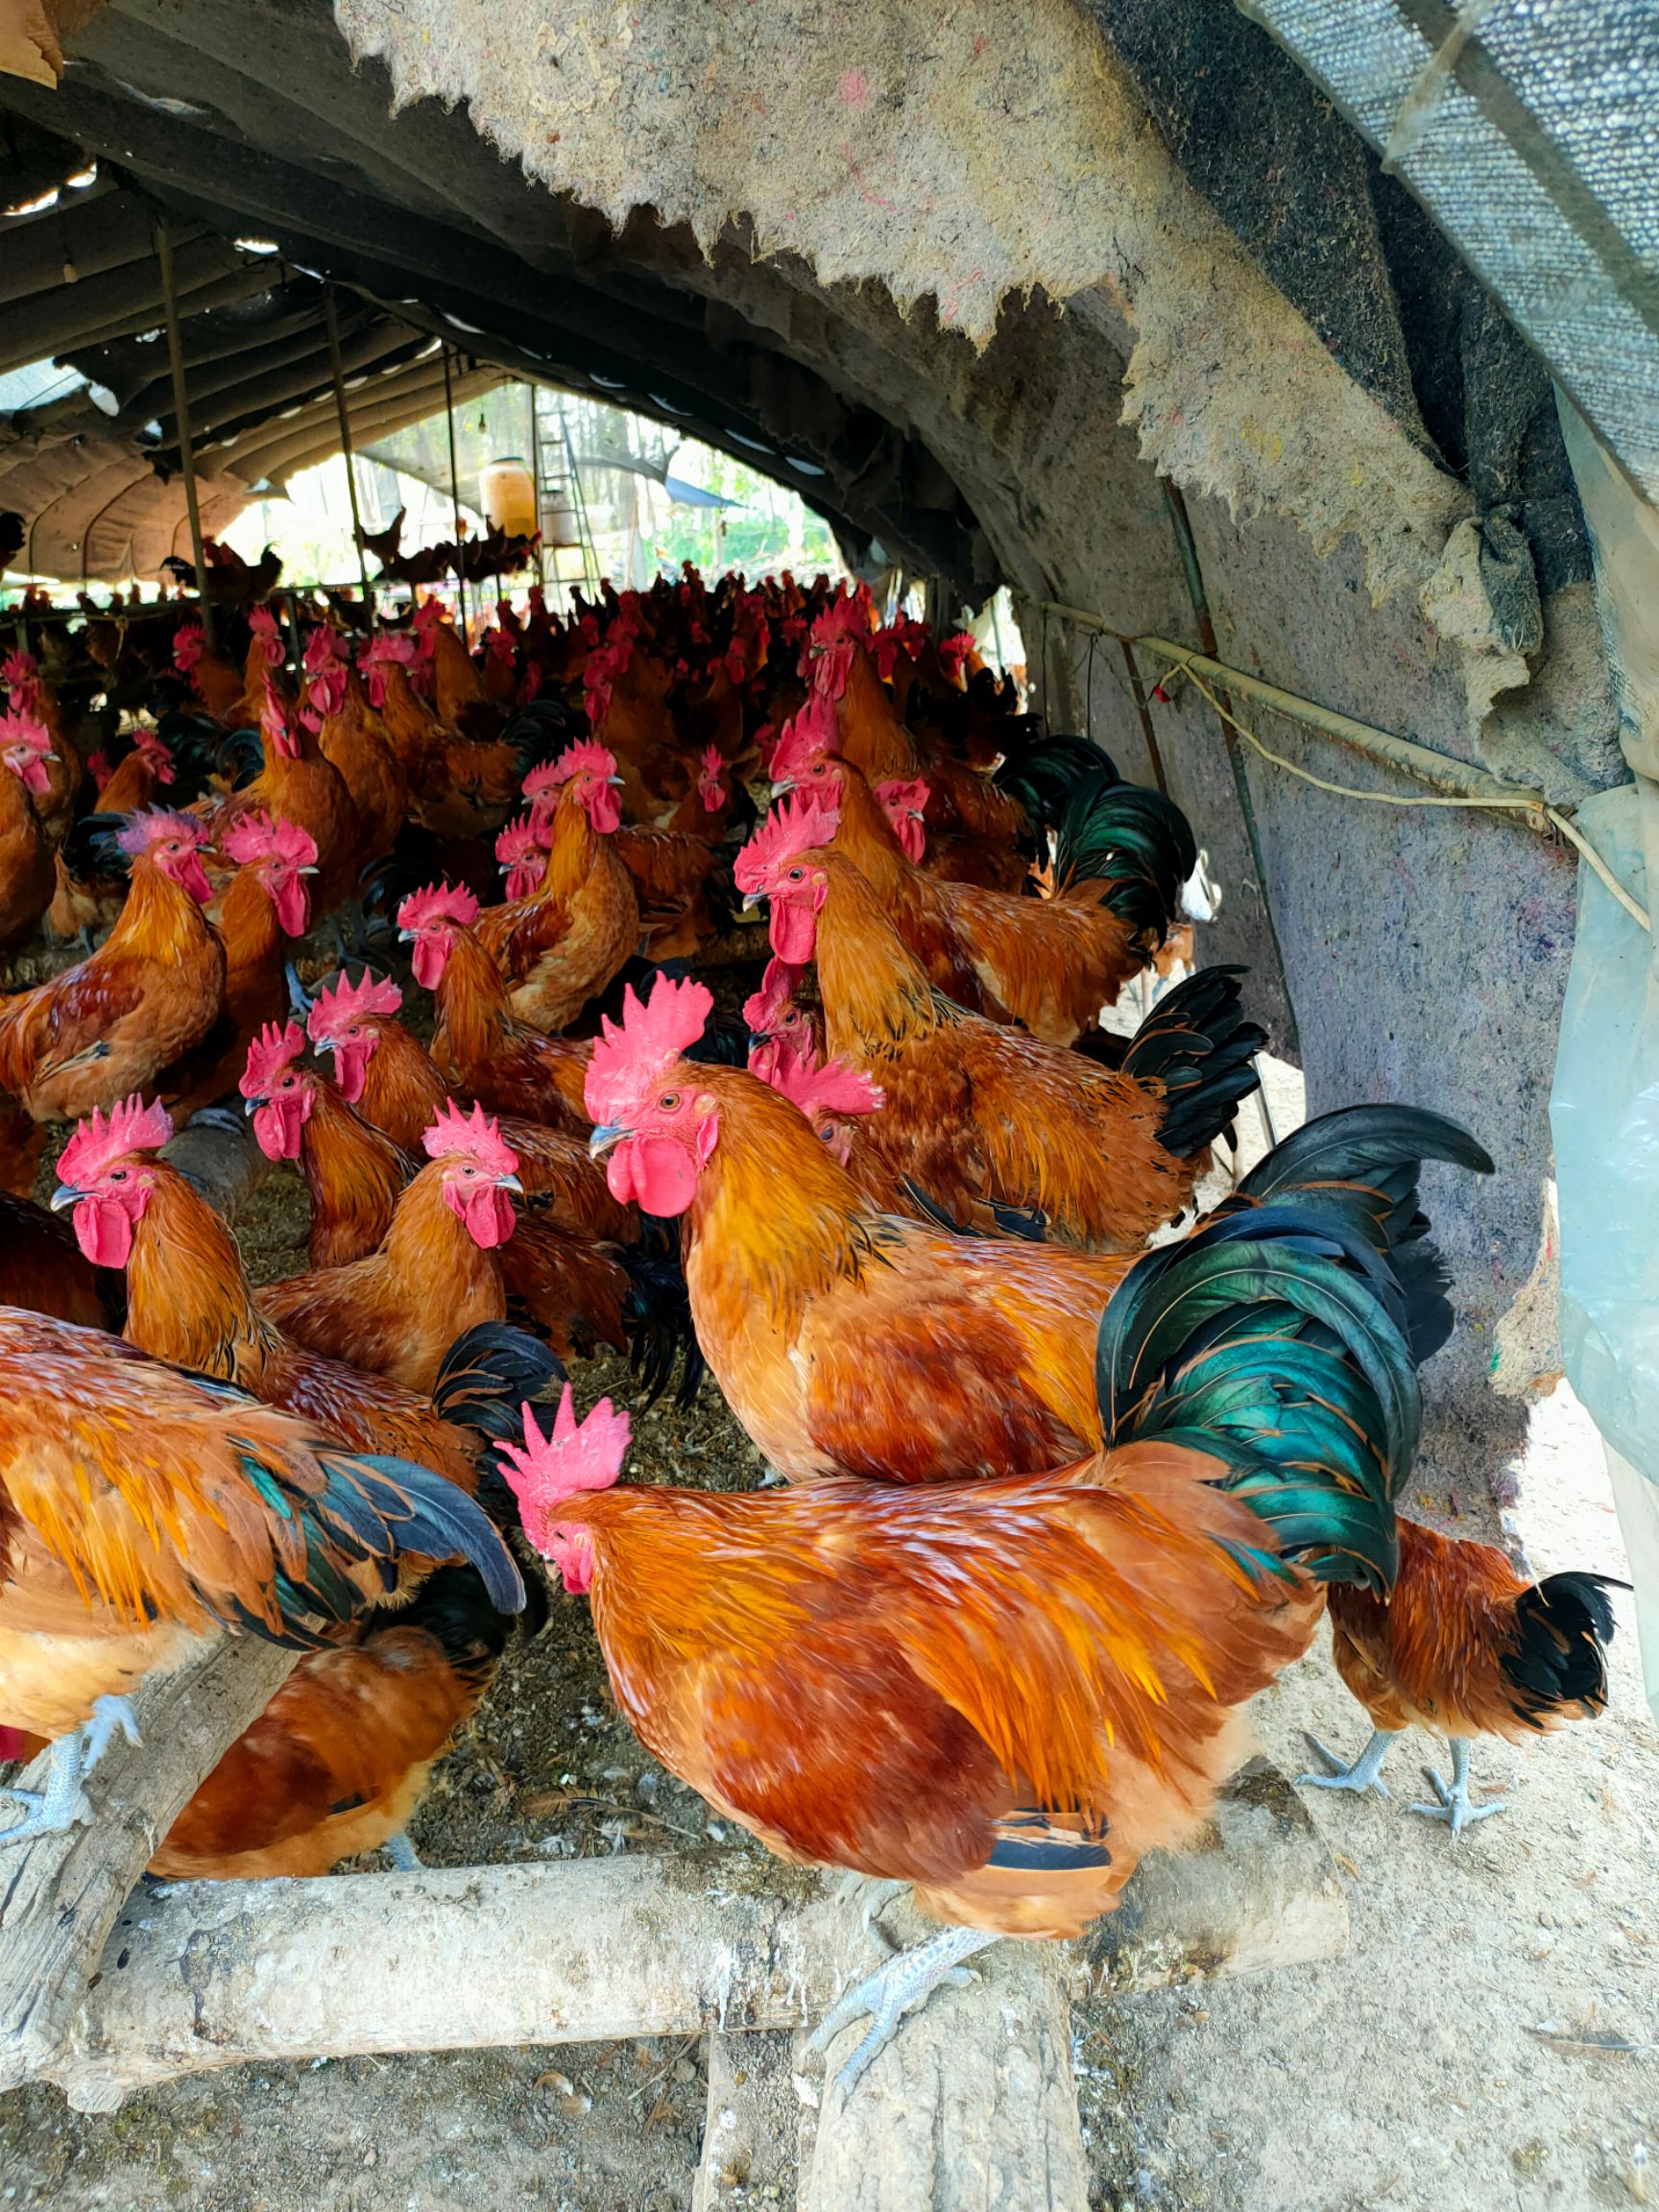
(218, 1974)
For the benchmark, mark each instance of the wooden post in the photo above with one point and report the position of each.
(455, 497)
(182, 418)
(331, 317)
(61, 1895)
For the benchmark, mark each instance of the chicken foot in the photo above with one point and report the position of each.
(1452, 1800)
(1363, 1775)
(63, 1803)
(903, 1985)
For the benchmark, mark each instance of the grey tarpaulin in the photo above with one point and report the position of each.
(1530, 130)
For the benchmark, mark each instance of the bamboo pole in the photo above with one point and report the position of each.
(455, 494)
(181, 416)
(332, 319)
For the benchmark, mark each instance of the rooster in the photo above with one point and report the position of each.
(571, 1284)
(297, 784)
(340, 1758)
(267, 903)
(351, 737)
(1005, 1693)
(150, 992)
(850, 1342)
(42, 1268)
(436, 1275)
(149, 1511)
(27, 872)
(1122, 855)
(31, 699)
(189, 1302)
(562, 945)
(479, 1041)
(976, 1111)
(1464, 1646)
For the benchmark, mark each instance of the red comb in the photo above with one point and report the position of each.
(521, 840)
(628, 1057)
(147, 827)
(270, 1055)
(24, 730)
(587, 752)
(798, 825)
(339, 1003)
(257, 836)
(574, 1455)
(438, 903)
(98, 1144)
(807, 736)
(475, 1136)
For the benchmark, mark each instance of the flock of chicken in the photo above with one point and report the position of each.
(1050, 1506)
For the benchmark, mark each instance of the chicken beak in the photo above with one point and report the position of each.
(510, 1183)
(752, 899)
(615, 779)
(607, 1134)
(405, 936)
(64, 1196)
(306, 870)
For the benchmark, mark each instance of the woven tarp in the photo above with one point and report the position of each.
(1530, 130)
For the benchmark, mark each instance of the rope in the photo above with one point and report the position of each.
(1531, 804)
(1522, 802)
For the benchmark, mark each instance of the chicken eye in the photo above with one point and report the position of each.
(797, 874)
(668, 1102)
(117, 1174)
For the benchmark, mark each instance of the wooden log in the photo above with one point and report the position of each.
(751, 2122)
(972, 2107)
(59, 1895)
(203, 1975)
(209, 1974)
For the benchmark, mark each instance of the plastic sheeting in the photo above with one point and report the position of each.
(1528, 128)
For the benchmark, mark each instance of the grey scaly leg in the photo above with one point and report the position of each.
(403, 1854)
(61, 1805)
(903, 1985)
(1452, 1804)
(1363, 1775)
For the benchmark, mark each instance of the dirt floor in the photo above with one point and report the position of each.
(1491, 2038)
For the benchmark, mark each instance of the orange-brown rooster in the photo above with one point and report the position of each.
(562, 945)
(153, 989)
(848, 1341)
(437, 1274)
(977, 1112)
(1005, 1692)
(26, 871)
(147, 1512)
(479, 1041)
(1465, 1646)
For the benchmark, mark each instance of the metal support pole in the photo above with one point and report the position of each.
(455, 495)
(1196, 592)
(331, 317)
(536, 479)
(1147, 728)
(181, 416)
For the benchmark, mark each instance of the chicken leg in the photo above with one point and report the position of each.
(63, 1803)
(903, 1985)
(1452, 1801)
(1363, 1775)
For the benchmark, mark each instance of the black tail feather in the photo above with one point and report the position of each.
(1136, 841)
(657, 1314)
(1198, 1045)
(1363, 1163)
(1563, 1626)
(486, 1376)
